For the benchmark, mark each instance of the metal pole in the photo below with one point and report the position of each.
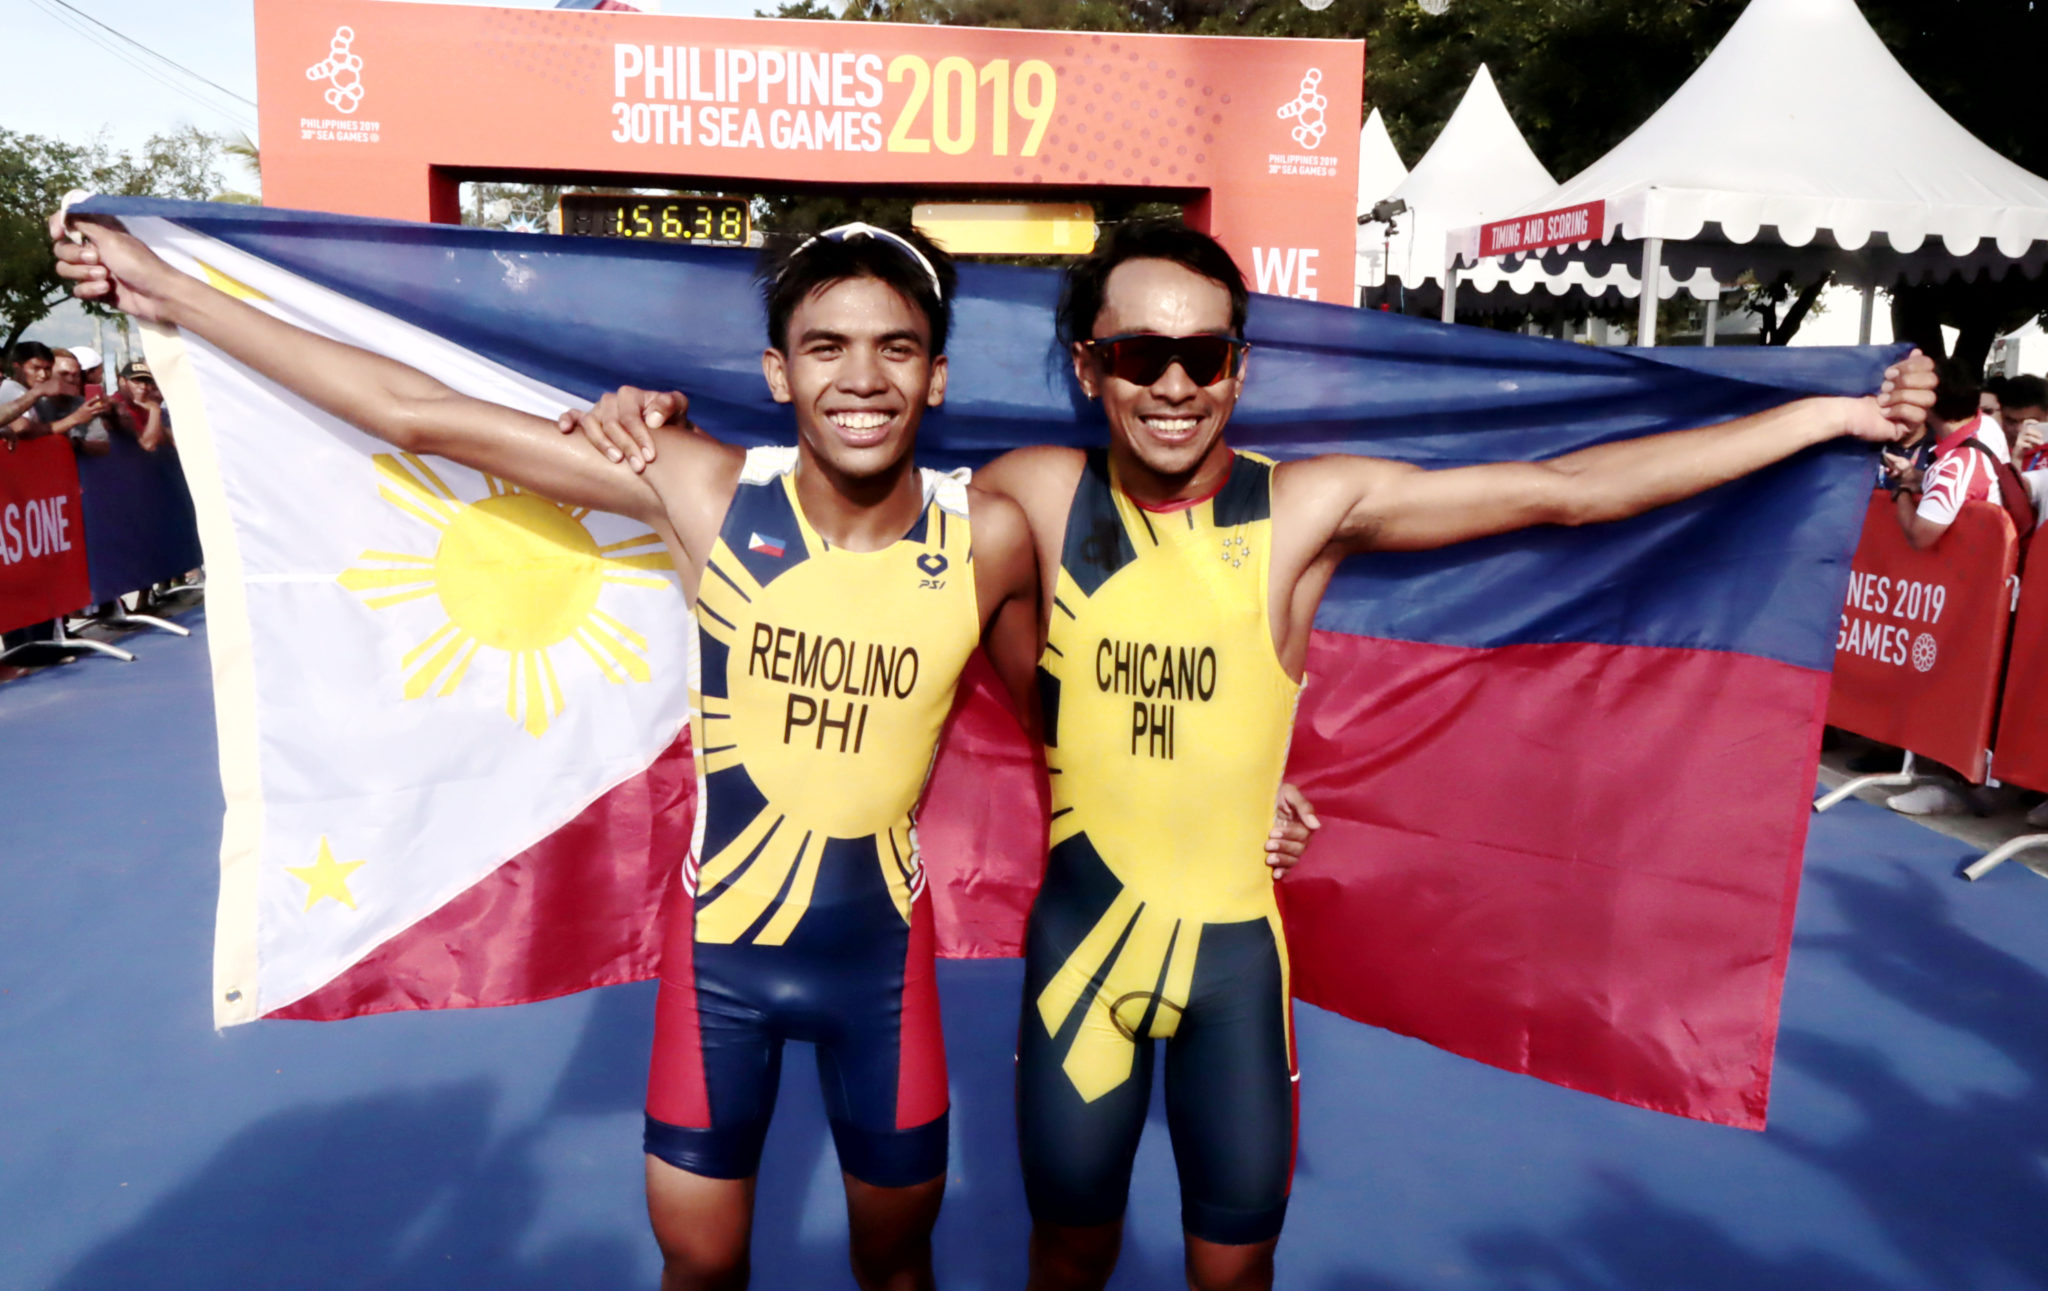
(1653, 276)
(1450, 311)
(1869, 314)
(1713, 316)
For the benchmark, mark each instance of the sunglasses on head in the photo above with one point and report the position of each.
(858, 229)
(1141, 358)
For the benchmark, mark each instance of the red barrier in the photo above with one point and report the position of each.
(1923, 633)
(42, 535)
(2023, 712)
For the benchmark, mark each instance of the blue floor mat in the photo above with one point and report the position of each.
(1908, 1145)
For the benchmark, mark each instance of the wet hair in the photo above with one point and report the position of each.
(1084, 282)
(2024, 392)
(794, 268)
(25, 351)
(1956, 391)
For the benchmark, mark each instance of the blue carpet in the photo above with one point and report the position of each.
(1908, 1145)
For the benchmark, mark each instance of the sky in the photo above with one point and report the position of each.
(69, 85)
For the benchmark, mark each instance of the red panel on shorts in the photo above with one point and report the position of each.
(921, 1051)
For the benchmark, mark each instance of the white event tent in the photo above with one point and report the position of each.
(1801, 143)
(1480, 168)
(1380, 171)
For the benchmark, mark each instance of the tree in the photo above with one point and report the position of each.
(1581, 75)
(36, 172)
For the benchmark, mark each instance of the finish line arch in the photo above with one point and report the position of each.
(375, 108)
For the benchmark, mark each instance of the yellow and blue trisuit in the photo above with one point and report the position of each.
(825, 677)
(1167, 720)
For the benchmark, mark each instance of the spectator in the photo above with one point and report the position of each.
(139, 408)
(2030, 429)
(1991, 399)
(1965, 442)
(2026, 399)
(1967, 439)
(30, 382)
(70, 413)
(91, 370)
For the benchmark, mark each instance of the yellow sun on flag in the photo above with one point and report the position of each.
(514, 573)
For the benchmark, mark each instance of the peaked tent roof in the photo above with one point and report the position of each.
(1802, 139)
(1380, 171)
(1480, 168)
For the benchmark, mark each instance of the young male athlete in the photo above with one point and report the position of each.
(838, 592)
(1182, 581)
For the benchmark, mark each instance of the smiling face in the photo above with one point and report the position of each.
(1171, 428)
(858, 371)
(32, 371)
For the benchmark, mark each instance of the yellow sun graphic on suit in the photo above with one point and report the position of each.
(515, 573)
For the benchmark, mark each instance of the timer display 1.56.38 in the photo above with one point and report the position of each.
(699, 221)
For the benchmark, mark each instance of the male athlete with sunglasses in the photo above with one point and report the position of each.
(838, 591)
(1181, 585)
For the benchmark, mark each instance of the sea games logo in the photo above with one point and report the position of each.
(1306, 110)
(1890, 620)
(342, 69)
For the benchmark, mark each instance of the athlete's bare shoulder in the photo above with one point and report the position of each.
(999, 521)
(1318, 500)
(694, 475)
(1040, 478)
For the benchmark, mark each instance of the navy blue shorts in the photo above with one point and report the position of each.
(1230, 1092)
(855, 982)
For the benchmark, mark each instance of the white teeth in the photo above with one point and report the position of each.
(860, 420)
(1172, 425)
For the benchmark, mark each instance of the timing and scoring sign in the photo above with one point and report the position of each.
(376, 108)
(1583, 223)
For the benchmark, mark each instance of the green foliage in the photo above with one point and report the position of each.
(36, 172)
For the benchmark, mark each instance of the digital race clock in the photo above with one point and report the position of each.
(700, 221)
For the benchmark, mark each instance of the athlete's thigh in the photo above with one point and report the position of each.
(1230, 1091)
(881, 1053)
(1076, 1151)
(716, 1066)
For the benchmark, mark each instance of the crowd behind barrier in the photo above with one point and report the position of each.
(1940, 652)
(81, 531)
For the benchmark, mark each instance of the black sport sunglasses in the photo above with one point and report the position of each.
(1141, 358)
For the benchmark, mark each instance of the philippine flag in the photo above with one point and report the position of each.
(765, 545)
(1564, 774)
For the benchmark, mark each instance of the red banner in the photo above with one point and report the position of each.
(1923, 635)
(1585, 223)
(2022, 715)
(42, 538)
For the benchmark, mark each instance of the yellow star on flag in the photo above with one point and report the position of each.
(325, 877)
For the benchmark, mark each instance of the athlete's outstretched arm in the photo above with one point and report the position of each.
(1370, 504)
(398, 404)
(1006, 587)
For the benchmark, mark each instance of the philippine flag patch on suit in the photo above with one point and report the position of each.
(1564, 774)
